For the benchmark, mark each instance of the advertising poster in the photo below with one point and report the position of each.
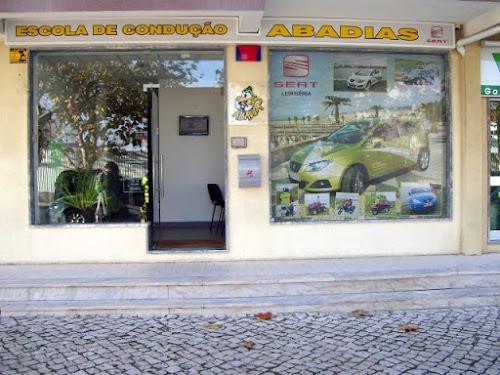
(358, 136)
(490, 71)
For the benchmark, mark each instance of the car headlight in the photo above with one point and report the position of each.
(415, 201)
(317, 165)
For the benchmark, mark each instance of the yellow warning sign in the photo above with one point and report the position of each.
(18, 55)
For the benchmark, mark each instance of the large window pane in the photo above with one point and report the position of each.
(91, 152)
(358, 136)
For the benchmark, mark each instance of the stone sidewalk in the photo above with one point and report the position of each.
(461, 341)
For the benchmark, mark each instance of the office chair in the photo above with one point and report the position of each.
(217, 200)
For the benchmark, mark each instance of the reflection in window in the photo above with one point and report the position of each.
(494, 111)
(91, 156)
(494, 137)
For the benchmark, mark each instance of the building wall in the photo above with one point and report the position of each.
(475, 157)
(249, 231)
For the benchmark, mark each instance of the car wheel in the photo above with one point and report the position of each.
(314, 212)
(423, 160)
(354, 180)
(374, 212)
(387, 209)
(368, 85)
(75, 216)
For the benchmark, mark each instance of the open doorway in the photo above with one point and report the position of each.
(187, 140)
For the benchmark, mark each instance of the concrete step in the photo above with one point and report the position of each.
(152, 289)
(446, 298)
(248, 287)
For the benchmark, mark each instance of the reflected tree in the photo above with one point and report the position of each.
(432, 112)
(97, 104)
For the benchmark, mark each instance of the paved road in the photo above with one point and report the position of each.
(463, 341)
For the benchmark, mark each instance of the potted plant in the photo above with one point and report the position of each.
(80, 191)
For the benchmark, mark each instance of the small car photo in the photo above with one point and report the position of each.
(418, 198)
(364, 79)
(359, 152)
(418, 77)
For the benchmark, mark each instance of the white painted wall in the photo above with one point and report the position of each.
(250, 233)
(190, 162)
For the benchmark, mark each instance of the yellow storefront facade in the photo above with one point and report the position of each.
(307, 124)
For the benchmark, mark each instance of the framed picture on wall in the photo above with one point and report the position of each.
(193, 125)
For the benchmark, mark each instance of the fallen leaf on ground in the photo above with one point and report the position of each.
(211, 326)
(264, 316)
(359, 314)
(409, 328)
(249, 344)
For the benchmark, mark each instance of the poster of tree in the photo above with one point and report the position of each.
(358, 134)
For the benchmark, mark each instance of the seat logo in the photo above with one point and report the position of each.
(296, 66)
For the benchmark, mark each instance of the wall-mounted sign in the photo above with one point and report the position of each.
(117, 31)
(367, 33)
(225, 30)
(248, 105)
(193, 125)
(490, 72)
(18, 55)
(132, 185)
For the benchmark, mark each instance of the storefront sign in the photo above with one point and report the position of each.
(29, 32)
(490, 72)
(371, 33)
(225, 30)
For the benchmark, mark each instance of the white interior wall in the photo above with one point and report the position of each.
(190, 161)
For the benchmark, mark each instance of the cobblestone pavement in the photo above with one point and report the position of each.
(462, 341)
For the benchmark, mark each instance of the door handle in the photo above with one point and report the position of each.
(155, 173)
(162, 177)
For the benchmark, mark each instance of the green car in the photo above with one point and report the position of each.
(359, 152)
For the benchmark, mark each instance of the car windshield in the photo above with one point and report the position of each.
(363, 72)
(421, 190)
(351, 133)
(414, 71)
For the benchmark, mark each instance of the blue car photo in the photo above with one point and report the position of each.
(423, 199)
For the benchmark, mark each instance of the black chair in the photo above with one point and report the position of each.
(217, 200)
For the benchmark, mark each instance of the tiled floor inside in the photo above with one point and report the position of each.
(188, 236)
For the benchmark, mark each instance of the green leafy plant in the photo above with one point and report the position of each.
(81, 190)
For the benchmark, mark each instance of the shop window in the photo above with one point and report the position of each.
(91, 151)
(358, 136)
(494, 112)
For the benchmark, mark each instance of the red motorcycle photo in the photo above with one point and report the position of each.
(347, 206)
(317, 207)
(382, 206)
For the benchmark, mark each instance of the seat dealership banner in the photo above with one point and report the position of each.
(25, 32)
(358, 136)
